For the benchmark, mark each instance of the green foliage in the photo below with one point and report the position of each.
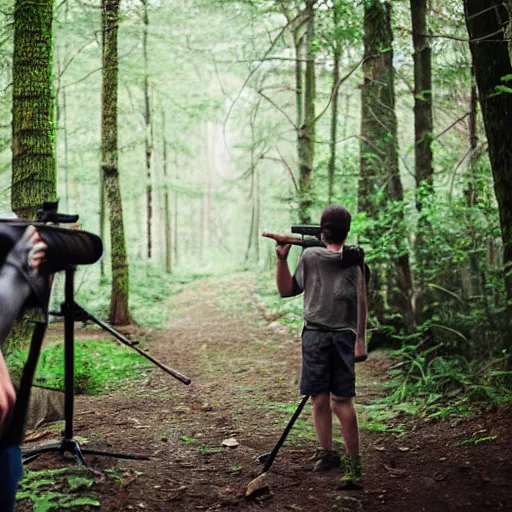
(101, 366)
(475, 439)
(55, 490)
(444, 386)
(382, 416)
(206, 450)
(303, 429)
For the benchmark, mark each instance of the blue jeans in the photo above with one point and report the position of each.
(11, 471)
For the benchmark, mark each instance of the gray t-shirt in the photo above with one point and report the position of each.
(330, 290)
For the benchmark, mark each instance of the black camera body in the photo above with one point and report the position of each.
(307, 230)
(65, 246)
(47, 212)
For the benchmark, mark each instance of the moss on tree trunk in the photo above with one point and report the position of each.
(119, 312)
(33, 127)
(33, 107)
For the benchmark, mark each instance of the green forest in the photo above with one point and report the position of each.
(180, 131)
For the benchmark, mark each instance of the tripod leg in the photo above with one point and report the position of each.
(69, 353)
(69, 309)
(272, 455)
(13, 433)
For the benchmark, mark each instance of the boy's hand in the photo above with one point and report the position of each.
(37, 252)
(360, 353)
(282, 251)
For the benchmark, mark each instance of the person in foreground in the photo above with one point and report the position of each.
(18, 279)
(333, 339)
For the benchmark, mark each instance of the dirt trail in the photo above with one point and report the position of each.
(244, 374)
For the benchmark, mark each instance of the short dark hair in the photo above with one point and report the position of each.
(335, 223)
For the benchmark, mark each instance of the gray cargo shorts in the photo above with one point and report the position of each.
(328, 363)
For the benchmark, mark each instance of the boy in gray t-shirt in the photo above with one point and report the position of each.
(335, 310)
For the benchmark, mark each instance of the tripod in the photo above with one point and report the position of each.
(72, 313)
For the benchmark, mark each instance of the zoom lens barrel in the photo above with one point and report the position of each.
(66, 246)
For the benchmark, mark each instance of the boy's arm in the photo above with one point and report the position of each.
(362, 316)
(22, 264)
(284, 278)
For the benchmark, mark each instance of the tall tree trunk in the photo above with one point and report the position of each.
(33, 108)
(210, 166)
(119, 313)
(306, 135)
(380, 182)
(254, 227)
(423, 121)
(175, 228)
(33, 125)
(65, 169)
(298, 42)
(147, 121)
(102, 218)
(256, 209)
(486, 22)
(423, 128)
(66, 150)
(167, 210)
(334, 106)
(471, 192)
(175, 199)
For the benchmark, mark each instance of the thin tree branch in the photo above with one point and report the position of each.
(62, 71)
(288, 168)
(98, 69)
(278, 108)
(451, 125)
(251, 73)
(335, 90)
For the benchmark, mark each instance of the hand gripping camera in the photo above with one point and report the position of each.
(66, 246)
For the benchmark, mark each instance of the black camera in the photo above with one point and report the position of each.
(66, 246)
(308, 230)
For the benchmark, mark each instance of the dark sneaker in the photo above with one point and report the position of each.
(352, 479)
(325, 460)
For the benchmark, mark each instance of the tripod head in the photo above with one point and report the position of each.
(47, 212)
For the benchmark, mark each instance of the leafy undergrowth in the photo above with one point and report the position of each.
(447, 387)
(58, 489)
(101, 366)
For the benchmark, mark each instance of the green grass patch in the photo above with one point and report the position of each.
(207, 450)
(378, 416)
(101, 366)
(382, 427)
(57, 489)
(443, 411)
(477, 439)
(303, 429)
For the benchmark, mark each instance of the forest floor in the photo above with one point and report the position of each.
(245, 372)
